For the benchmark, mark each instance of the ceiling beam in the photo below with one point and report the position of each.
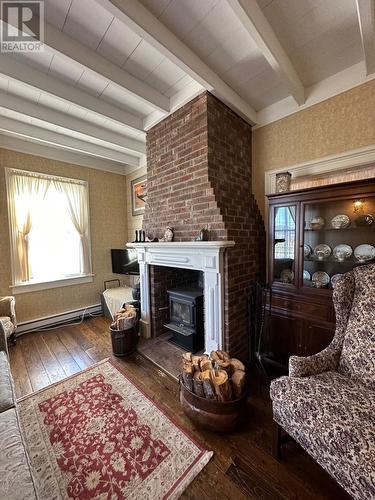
(60, 43)
(366, 18)
(182, 97)
(256, 24)
(59, 119)
(37, 80)
(140, 20)
(33, 147)
(21, 129)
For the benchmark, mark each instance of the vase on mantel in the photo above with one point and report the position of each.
(283, 182)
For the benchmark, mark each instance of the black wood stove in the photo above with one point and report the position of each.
(186, 318)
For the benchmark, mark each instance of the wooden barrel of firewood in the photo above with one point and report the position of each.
(211, 414)
(124, 342)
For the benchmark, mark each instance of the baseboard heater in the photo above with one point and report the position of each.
(58, 319)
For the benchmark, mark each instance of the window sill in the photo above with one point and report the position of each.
(45, 285)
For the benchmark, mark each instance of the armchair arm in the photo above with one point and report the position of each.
(3, 340)
(8, 308)
(323, 361)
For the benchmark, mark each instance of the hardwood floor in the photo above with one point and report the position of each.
(242, 466)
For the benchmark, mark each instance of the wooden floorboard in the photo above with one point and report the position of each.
(37, 374)
(75, 350)
(62, 355)
(51, 364)
(21, 377)
(242, 466)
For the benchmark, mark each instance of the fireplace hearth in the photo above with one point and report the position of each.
(186, 319)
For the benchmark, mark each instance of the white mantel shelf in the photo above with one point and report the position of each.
(205, 256)
(182, 244)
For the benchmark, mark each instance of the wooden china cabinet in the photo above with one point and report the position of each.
(306, 228)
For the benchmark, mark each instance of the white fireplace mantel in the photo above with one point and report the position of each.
(206, 256)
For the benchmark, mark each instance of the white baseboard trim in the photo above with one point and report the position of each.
(57, 319)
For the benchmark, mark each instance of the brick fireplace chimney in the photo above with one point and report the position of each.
(198, 174)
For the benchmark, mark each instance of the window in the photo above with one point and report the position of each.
(285, 228)
(49, 228)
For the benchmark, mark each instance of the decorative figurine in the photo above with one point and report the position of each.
(168, 235)
(204, 235)
(283, 180)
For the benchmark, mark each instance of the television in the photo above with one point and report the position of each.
(125, 261)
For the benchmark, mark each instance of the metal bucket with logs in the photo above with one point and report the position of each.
(124, 331)
(213, 391)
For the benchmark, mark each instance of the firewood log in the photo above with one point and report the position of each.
(187, 367)
(208, 389)
(187, 357)
(196, 361)
(236, 364)
(238, 383)
(224, 365)
(219, 379)
(198, 384)
(215, 356)
(206, 375)
(224, 356)
(124, 323)
(187, 380)
(204, 357)
(205, 364)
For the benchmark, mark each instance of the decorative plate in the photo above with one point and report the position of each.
(322, 251)
(335, 278)
(306, 275)
(317, 223)
(340, 221)
(287, 275)
(320, 279)
(365, 220)
(342, 252)
(307, 250)
(364, 253)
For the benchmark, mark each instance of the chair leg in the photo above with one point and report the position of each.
(276, 441)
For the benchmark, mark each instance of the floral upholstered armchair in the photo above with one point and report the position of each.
(327, 403)
(8, 322)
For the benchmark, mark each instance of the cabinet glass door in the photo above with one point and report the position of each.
(284, 244)
(338, 235)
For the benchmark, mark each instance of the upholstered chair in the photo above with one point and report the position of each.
(8, 322)
(327, 403)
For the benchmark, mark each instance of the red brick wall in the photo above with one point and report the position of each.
(179, 192)
(229, 166)
(199, 172)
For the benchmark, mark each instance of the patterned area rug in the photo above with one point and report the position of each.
(97, 436)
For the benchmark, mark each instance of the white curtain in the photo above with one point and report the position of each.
(23, 190)
(77, 202)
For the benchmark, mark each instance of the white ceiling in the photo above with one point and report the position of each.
(111, 69)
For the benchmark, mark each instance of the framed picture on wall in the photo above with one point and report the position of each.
(139, 195)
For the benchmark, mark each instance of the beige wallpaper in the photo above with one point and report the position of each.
(108, 230)
(133, 222)
(342, 123)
